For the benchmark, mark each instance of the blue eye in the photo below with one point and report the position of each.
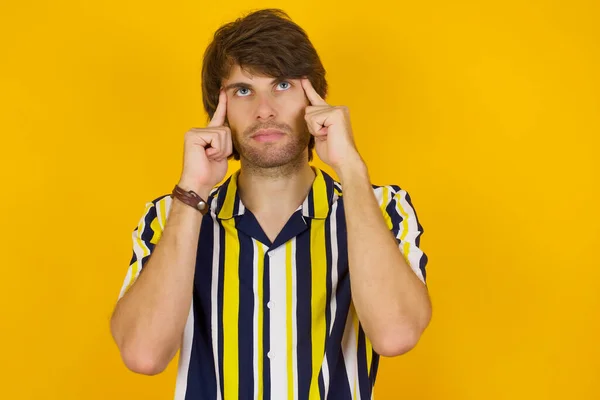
(239, 90)
(284, 82)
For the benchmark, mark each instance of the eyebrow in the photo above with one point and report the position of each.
(237, 85)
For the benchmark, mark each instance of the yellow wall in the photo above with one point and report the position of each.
(488, 114)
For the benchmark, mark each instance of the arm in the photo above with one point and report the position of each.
(148, 321)
(391, 301)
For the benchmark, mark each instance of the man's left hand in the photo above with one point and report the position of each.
(331, 127)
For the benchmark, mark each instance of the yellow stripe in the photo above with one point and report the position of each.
(162, 205)
(156, 229)
(318, 294)
(231, 301)
(406, 246)
(261, 269)
(321, 203)
(382, 206)
(355, 321)
(158, 223)
(337, 192)
(369, 349)
(145, 251)
(289, 316)
(229, 203)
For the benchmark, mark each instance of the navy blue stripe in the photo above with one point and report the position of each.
(303, 311)
(147, 233)
(423, 261)
(245, 318)
(328, 189)
(339, 387)
(201, 379)
(363, 371)
(266, 331)
(328, 285)
(397, 219)
(219, 300)
(374, 367)
(221, 194)
(311, 202)
(339, 378)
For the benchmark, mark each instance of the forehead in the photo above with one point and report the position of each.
(238, 74)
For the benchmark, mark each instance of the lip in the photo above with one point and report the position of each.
(267, 135)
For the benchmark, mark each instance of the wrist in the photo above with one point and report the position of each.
(352, 170)
(202, 191)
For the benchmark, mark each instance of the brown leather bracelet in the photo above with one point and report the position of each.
(190, 198)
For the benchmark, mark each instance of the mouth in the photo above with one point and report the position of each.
(267, 135)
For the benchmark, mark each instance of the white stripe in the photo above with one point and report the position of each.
(257, 304)
(334, 282)
(126, 281)
(325, 369)
(140, 251)
(349, 350)
(415, 253)
(277, 323)
(214, 300)
(294, 322)
(184, 356)
(168, 201)
(305, 207)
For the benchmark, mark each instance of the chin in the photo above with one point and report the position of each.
(272, 158)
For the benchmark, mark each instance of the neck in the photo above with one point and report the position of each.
(275, 190)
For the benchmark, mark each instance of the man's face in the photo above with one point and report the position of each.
(266, 118)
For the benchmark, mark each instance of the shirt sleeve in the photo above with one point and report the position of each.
(144, 237)
(401, 218)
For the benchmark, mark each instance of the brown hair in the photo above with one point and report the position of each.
(265, 42)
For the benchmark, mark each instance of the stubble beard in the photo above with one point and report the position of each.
(274, 159)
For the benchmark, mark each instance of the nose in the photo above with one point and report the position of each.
(265, 107)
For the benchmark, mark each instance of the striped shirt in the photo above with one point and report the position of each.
(275, 320)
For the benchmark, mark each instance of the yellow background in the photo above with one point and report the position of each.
(486, 112)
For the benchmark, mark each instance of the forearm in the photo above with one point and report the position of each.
(149, 319)
(391, 301)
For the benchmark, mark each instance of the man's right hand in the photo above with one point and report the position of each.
(205, 153)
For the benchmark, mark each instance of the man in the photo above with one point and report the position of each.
(281, 282)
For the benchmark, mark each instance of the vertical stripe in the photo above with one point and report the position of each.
(333, 272)
(303, 312)
(369, 351)
(246, 320)
(278, 324)
(185, 355)
(362, 370)
(201, 377)
(293, 317)
(288, 317)
(258, 266)
(349, 350)
(230, 311)
(215, 332)
(318, 298)
(266, 328)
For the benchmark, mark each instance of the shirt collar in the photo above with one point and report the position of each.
(227, 203)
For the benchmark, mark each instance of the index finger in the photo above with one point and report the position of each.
(218, 118)
(312, 94)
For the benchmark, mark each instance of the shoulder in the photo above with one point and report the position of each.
(384, 194)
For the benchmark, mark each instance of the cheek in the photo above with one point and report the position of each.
(235, 116)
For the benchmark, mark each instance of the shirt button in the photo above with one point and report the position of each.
(269, 304)
(269, 355)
